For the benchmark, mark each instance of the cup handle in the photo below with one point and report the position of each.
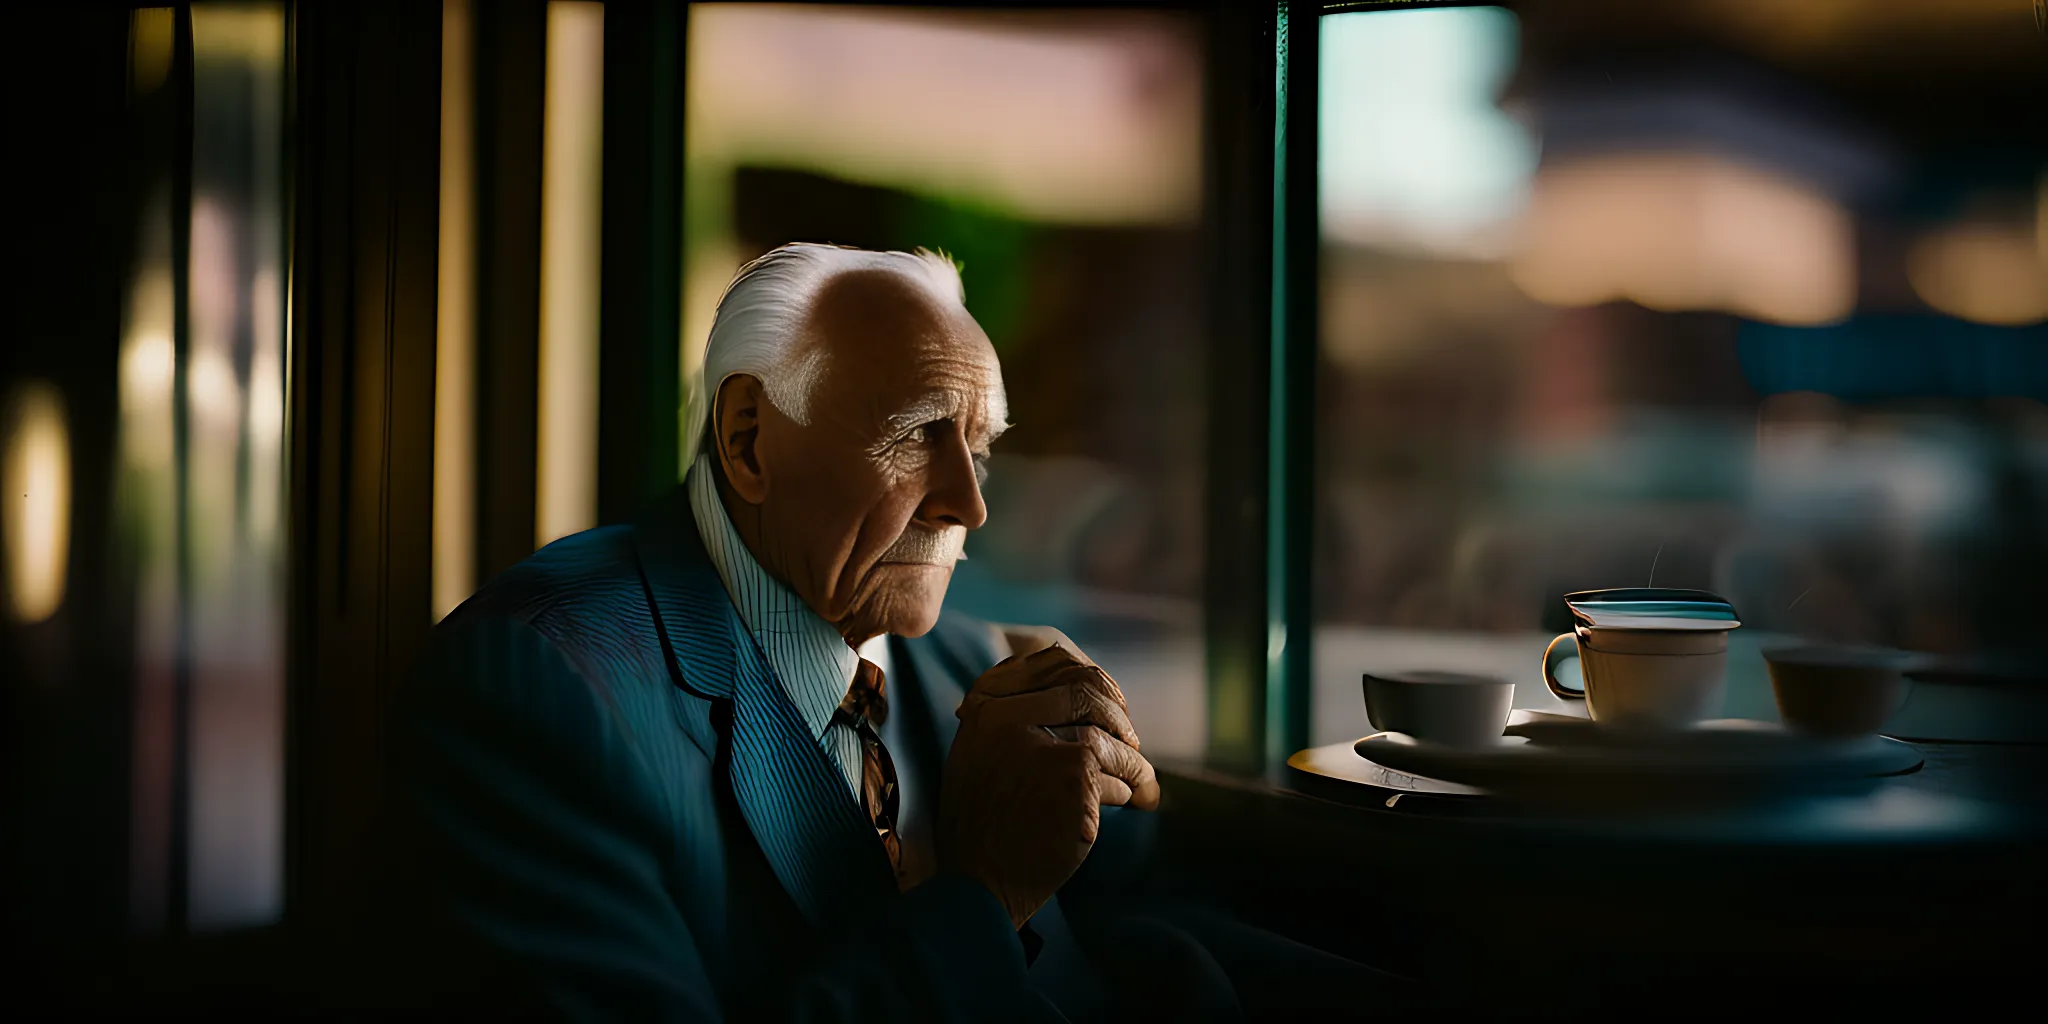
(1565, 646)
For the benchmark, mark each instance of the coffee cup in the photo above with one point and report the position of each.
(1642, 678)
(1648, 658)
(1450, 708)
(1838, 691)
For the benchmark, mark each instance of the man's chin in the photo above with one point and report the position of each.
(908, 596)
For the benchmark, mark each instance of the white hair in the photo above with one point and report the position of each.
(760, 316)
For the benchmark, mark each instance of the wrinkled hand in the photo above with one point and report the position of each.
(1022, 804)
(1021, 641)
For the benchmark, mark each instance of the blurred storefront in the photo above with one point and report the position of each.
(1695, 296)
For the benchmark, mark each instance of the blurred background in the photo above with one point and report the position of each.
(1740, 296)
(326, 313)
(1057, 156)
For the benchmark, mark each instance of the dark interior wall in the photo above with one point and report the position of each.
(511, 40)
(640, 333)
(364, 257)
(66, 679)
(1238, 183)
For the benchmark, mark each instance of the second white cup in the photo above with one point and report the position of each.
(1439, 707)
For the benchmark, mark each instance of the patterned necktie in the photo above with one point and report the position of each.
(864, 710)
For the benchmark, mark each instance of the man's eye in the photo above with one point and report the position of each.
(918, 435)
(980, 470)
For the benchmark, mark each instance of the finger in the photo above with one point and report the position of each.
(1111, 791)
(1057, 640)
(1051, 674)
(1024, 641)
(1094, 678)
(1123, 763)
(1060, 706)
(1029, 640)
(1102, 691)
(1065, 705)
(1027, 673)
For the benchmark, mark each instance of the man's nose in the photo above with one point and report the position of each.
(953, 495)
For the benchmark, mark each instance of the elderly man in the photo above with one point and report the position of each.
(689, 768)
(664, 770)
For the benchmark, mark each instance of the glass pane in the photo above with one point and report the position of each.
(572, 180)
(1597, 313)
(147, 490)
(234, 466)
(1057, 156)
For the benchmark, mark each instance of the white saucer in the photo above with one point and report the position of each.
(1721, 737)
(1556, 758)
(1337, 761)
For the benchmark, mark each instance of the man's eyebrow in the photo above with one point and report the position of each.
(939, 405)
(923, 409)
(998, 419)
(990, 434)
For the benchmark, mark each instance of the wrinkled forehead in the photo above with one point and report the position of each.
(913, 354)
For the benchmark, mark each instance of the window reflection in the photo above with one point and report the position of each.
(149, 484)
(455, 320)
(572, 179)
(202, 478)
(1717, 333)
(234, 475)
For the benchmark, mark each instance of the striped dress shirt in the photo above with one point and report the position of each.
(809, 656)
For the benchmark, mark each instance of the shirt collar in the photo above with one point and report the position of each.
(811, 659)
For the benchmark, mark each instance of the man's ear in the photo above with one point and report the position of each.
(736, 419)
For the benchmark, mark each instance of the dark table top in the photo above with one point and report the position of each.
(1917, 880)
(1928, 884)
(1983, 776)
(1961, 793)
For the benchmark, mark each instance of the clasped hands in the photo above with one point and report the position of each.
(1045, 742)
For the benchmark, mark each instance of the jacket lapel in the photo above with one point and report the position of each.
(940, 690)
(947, 661)
(795, 801)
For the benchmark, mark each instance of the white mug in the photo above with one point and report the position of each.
(1644, 678)
(1450, 708)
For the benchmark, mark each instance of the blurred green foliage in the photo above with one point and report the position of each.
(992, 250)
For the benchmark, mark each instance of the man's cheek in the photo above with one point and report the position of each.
(885, 524)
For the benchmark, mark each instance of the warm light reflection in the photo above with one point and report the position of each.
(146, 496)
(454, 572)
(572, 181)
(148, 363)
(149, 48)
(1982, 270)
(266, 411)
(1807, 28)
(1681, 231)
(35, 480)
(2041, 220)
(215, 397)
(1080, 121)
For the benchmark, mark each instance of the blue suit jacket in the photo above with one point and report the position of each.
(611, 793)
